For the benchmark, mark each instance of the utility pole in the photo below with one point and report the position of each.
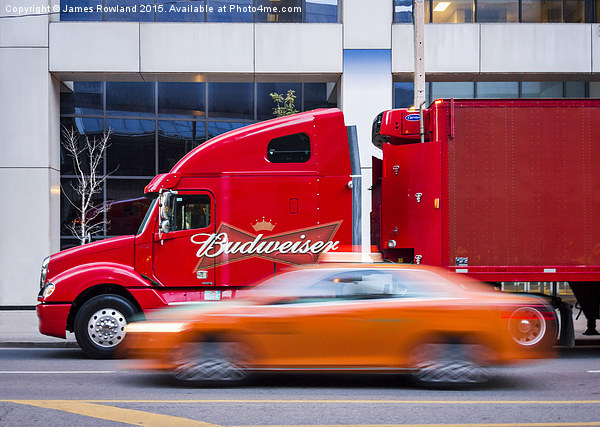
(419, 52)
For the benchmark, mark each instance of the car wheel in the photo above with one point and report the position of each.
(529, 327)
(447, 364)
(210, 361)
(100, 325)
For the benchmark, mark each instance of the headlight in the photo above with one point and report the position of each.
(48, 290)
(44, 274)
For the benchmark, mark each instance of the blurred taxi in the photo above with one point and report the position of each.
(440, 327)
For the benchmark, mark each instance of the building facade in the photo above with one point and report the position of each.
(165, 76)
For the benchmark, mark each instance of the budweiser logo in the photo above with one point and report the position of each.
(230, 244)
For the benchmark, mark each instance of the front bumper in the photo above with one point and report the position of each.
(53, 319)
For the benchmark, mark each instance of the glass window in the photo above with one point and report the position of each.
(176, 139)
(181, 99)
(542, 89)
(231, 100)
(497, 11)
(127, 205)
(403, 12)
(232, 11)
(80, 10)
(265, 104)
(129, 10)
(452, 90)
(190, 212)
(319, 95)
(575, 11)
(70, 205)
(131, 150)
(289, 149)
(188, 11)
(85, 99)
(322, 11)
(278, 11)
(403, 94)
(129, 99)
(83, 127)
(217, 128)
(542, 11)
(497, 89)
(456, 11)
(574, 89)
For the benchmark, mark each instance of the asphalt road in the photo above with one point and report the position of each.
(61, 387)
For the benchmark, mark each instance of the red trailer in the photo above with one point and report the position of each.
(501, 190)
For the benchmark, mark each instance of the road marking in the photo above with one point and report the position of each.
(111, 413)
(410, 402)
(594, 372)
(99, 409)
(57, 372)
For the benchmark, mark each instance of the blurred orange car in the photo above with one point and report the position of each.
(440, 327)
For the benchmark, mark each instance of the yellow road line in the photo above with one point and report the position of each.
(111, 413)
(99, 409)
(410, 402)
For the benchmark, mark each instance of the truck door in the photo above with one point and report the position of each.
(191, 217)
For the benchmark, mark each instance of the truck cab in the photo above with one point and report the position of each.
(239, 208)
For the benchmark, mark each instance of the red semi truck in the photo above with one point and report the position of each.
(502, 190)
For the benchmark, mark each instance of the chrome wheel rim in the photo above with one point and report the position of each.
(106, 327)
(527, 326)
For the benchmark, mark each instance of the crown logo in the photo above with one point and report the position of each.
(263, 225)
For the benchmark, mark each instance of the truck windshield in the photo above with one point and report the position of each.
(147, 217)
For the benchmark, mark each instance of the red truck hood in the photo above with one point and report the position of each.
(116, 249)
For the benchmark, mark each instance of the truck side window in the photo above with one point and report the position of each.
(293, 148)
(190, 212)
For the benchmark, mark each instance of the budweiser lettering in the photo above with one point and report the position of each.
(221, 245)
(230, 244)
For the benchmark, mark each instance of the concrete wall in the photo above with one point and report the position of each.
(186, 51)
(489, 50)
(29, 156)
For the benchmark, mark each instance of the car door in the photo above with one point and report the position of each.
(343, 320)
(176, 253)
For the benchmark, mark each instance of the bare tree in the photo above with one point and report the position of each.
(87, 157)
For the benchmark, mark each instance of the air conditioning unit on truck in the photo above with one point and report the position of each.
(501, 190)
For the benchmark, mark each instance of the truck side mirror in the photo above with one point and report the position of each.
(165, 226)
(164, 205)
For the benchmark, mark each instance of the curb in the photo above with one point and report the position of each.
(39, 345)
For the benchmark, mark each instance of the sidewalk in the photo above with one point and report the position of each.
(19, 328)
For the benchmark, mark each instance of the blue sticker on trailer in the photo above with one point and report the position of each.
(412, 117)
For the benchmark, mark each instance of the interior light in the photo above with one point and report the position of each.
(441, 6)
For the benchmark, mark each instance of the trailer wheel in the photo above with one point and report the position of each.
(210, 361)
(100, 325)
(530, 328)
(448, 364)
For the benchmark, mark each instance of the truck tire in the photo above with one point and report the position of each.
(100, 325)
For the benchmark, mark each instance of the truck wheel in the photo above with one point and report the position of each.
(447, 364)
(529, 327)
(100, 325)
(210, 362)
